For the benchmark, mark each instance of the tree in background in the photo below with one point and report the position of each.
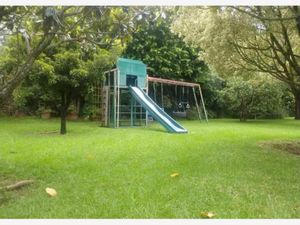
(168, 56)
(254, 98)
(68, 80)
(247, 41)
(165, 54)
(63, 75)
(34, 28)
(38, 28)
(55, 44)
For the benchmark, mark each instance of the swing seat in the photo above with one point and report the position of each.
(179, 114)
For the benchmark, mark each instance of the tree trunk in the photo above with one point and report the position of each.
(7, 106)
(63, 114)
(243, 114)
(243, 117)
(297, 105)
(63, 123)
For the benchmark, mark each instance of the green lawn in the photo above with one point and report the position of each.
(125, 173)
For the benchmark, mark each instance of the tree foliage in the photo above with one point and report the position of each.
(61, 76)
(247, 41)
(38, 28)
(254, 98)
(164, 52)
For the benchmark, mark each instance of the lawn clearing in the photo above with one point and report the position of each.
(221, 167)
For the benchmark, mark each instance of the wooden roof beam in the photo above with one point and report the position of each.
(172, 82)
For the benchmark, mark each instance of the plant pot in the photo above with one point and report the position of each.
(19, 114)
(93, 117)
(72, 116)
(46, 115)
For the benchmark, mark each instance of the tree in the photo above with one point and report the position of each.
(37, 28)
(253, 98)
(247, 40)
(24, 22)
(68, 80)
(165, 54)
(67, 70)
(168, 56)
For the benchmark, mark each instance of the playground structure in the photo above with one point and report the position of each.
(125, 100)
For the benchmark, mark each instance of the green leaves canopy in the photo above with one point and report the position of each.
(254, 97)
(164, 52)
(245, 41)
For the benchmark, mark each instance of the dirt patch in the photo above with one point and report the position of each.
(12, 189)
(4, 195)
(292, 147)
(48, 132)
(4, 181)
(43, 133)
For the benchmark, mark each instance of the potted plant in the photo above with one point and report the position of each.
(91, 112)
(72, 113)
(45, 112)
(95, 114)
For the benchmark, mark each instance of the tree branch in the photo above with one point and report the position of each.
(261, 17)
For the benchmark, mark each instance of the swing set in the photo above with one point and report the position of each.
(126, 101)
(181, 95)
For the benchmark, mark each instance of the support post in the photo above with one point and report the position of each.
(115, 99)
(147, 88)
(118, 98)
(203, 105)
(197, 106)
(176, 99)
(162, 95)
(131, 112)
(154, 90)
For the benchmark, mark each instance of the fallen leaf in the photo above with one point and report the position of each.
(174, 175)
(89, 157)
(208, 215)
(51, 191)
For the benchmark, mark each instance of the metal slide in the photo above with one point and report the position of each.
(154, 110)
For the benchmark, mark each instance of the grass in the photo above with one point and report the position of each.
(125, 173)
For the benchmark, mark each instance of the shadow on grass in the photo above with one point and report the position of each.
(289, 122)
(141, 129)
